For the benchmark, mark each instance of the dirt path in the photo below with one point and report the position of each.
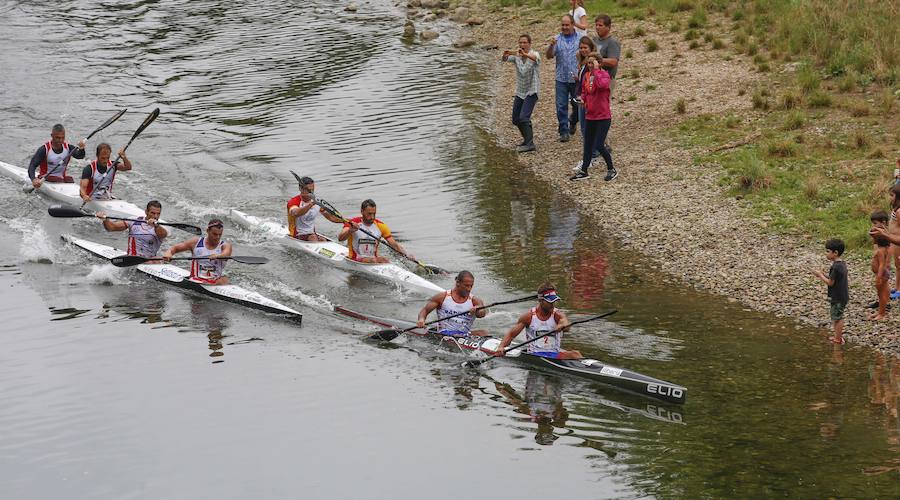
(662, 204)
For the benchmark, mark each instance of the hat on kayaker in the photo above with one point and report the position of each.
(547, 292)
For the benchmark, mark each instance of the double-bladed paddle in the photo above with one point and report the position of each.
(68, 211)
(133, 260)
(476, 363)
(387, 335)
(146, 123)
(28, 187)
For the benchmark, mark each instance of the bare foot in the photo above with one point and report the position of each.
(878, 317)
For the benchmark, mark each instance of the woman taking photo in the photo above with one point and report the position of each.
(597, 117)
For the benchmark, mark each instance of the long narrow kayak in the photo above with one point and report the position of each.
(69, 193)
(335, 255)
(176, 276)
(592, 369)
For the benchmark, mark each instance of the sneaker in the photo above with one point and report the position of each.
(564, 137)
(524, 148)
(611, 174)
(895, 294)
(579, 176)
(576, 168)
(874, 305)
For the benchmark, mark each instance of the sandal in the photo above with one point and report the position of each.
(839, 341)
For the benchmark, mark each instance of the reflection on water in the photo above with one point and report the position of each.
(542, 403)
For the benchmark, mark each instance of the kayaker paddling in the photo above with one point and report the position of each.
(211, 269)
(453, 302)
(98, 177)
(303, 210)
(49, 162)
(364, 234)
(538, 321)
(145, 235)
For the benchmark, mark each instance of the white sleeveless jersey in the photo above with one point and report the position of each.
(460, 325)
(101, 183)
(56, 162)
(306, 223)
(142, 239)
(206, 269)
(538, 327)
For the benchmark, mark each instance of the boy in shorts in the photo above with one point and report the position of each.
(838, 287)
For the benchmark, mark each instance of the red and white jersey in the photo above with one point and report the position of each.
(538, 327)
(304, 224)
(361, 244)
(54, 164)
(100, 184)
(205, 269)
(142, 239)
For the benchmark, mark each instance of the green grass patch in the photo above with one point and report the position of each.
(651, 45)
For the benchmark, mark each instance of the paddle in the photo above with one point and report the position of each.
(475, 363)
(146, 123)
(28, 187)
(328, 207)
(68, 211)
(133, 260)
(388, 335)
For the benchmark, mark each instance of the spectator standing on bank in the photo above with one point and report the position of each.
(597, 118)
(610, 52)
(564, 48)
(528, 85)
(586, 47)
(579, 17)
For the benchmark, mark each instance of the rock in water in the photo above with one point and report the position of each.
(463, 43)
(409, 31)
(460, 14)
(428, 35)
(351, 8)
(475, 21)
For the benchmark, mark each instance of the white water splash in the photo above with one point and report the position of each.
(106, 274)
(319, 302)
(36, 245)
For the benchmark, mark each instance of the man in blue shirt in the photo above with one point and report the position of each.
(564, 47)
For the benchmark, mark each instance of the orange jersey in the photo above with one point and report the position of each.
(361, 244)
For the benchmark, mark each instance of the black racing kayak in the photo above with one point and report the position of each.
(586, 368)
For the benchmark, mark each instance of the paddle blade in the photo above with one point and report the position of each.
(250, 259)
(108, 122)
(128, 260)
(66, 211)
(431, 269)
(384, 335)
(184, 227)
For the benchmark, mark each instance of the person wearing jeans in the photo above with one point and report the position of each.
(595, 95)
(528, 85)
(564, 48)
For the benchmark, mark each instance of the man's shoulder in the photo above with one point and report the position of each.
(295, 201)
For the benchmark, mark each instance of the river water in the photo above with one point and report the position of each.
(113, 386)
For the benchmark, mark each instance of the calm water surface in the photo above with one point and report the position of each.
(115, 387)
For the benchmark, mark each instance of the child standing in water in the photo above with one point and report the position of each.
(881, 266)
(838, 288)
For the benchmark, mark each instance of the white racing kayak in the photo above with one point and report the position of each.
(174, 275)
(335, 254)
(68, 192)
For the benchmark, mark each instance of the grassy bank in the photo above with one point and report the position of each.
(809, 152)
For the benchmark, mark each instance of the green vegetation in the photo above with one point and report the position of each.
(651, 45)
(680, 106)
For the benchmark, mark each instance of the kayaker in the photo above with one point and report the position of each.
(539, 320)
(455, 301)
(144, 237)
(97, 178)
(50, 160)
(211, 270)
(302, 213)
(364, 247)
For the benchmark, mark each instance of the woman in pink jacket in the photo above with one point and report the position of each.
(597, 118)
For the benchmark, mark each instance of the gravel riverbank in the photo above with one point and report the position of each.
(664, 205)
